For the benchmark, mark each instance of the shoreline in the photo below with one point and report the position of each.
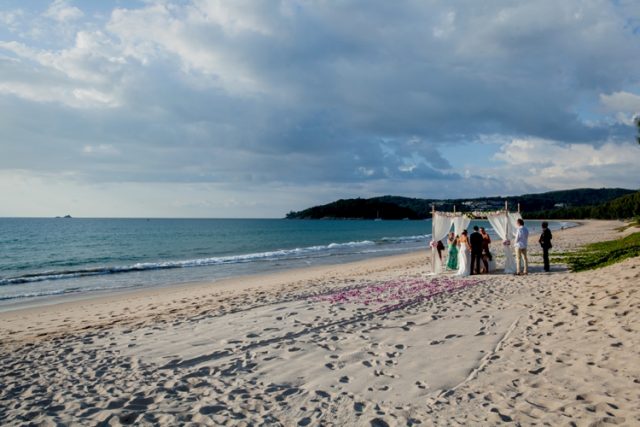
(84, 295)
(113, 300)
(35, 302)
(375, 342)
(239, 282)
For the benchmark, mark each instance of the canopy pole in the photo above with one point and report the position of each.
(433, 233)
(506, 214)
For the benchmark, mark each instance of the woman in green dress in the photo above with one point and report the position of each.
(452, 263)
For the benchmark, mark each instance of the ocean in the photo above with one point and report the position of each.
(45, 257)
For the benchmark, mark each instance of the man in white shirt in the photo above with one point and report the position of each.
(522, 236)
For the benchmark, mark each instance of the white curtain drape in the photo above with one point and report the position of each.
(499, 223)
(460, 223)
(441, 226)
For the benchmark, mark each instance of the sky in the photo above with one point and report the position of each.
(206, 108)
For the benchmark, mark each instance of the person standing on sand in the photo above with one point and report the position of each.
(463, 254)
(522, 236)
(452, 262)
(440, 248)
(545, 242)
(486, 254)
(475, 241)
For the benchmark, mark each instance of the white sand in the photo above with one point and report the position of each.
(545, 349)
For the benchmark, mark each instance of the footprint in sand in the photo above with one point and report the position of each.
(407, 326)
(323, 394)
(536, 371)
(288, 392)
(140, 403)
(382, 373)
(448, 337)
(304, 421)
(503, 417)
(212, 409)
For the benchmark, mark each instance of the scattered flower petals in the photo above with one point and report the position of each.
(395, 294)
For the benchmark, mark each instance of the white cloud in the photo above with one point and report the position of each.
(61, 11)
(100, 150)
(42, 92)
(446, 26)
(94, 97)
(621, 102)
(11, 18)
(554, 165)
(93, 59)
(84, 75)
(233, 17)
(365, 172)
(32, 92)
(192, 35)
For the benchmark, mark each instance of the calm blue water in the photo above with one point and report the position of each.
(44, 257)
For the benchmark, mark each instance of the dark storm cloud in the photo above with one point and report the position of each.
(310, 92)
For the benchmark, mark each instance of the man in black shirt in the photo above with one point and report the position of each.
(475, 240)
(545, 242)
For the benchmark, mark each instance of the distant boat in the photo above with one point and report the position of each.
(378, 216)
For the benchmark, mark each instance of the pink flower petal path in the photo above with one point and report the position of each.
(396, 294)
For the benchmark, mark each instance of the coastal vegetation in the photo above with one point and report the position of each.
(359, 209)
(627, 206)
(601, 254)
(584, 202)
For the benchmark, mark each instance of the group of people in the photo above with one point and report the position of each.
(470, 254)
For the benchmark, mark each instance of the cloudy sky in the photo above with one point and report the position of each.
(205, 108)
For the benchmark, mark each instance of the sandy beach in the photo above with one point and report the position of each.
(372, 343)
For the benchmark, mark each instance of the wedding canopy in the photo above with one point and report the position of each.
(503, 222)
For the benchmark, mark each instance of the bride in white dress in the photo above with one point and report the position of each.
(464, 258)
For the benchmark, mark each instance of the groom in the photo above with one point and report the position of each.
(475, 239)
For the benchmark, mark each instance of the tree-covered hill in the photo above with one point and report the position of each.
(627, 206)
(396, 207)
(357, 209)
